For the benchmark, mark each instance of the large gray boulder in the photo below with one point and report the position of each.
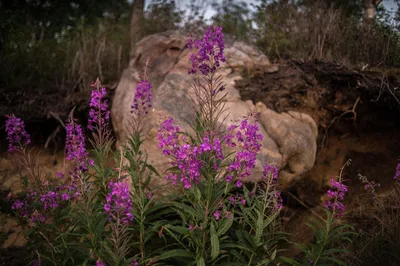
(289, 138)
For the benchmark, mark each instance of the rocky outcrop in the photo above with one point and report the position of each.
(289, 138)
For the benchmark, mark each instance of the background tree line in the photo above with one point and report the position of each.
(50, 44)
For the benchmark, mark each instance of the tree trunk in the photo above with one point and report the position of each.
(136, 19)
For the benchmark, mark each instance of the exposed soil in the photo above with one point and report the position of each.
(357, 113)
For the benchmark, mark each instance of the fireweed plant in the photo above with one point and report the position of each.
(106, 215)
(330, 235)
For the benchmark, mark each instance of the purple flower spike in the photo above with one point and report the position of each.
(75, 145)
(209, 51)
(270, 173)
(336, 196)
(118, 202)
(142, 99)
(99, 113)
(16, 134)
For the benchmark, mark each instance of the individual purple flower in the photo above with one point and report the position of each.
(99, 263)
(232, 199)
(118, 202)
(243, 201)
(336, 196)
(65, 197)
(142, 99)
(16, 134)
(75, 145)
(135, 262)
(99, 113)
(217, 215)
(209, 51)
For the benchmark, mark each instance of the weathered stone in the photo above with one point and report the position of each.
(289, 138)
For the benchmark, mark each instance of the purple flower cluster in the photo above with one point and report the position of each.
(270, 172)
(248, 140)
(118, 202)
(370, 187)
(99, 113)
(168, 137)
(50, 200)
(21, 207)
(210, 51)
(397, 174)
(223, 213)
(16, 134)
(75, 146)
(336, 196)
(29, 207)
(142, 99)
(186, 157)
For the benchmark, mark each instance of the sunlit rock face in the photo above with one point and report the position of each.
(289, 138)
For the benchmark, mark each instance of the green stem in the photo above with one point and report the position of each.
(328, 228)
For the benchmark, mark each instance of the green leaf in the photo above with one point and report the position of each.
(214, 242)
(273, 255)
(290, 261)
(231, 247)
(270, 219)
(186, 209)
(336, 261)
(264, 262)
(177, 253)
(151, 167)
(197, 193)
(179, 229)
(200, 262)
(238, 256)
(242, 239)
(225, 225)
(259, 228)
